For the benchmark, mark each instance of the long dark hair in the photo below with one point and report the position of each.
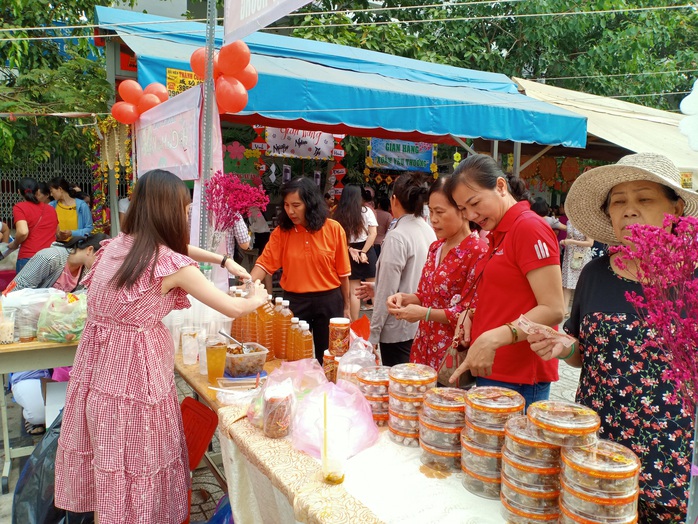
(348, 212)
(411, 191)
(156, 217)
(481, 171)
(316, 211)
(27, 188)
(61, 183)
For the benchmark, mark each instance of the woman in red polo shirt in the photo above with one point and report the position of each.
(312, 249)
(521, 275)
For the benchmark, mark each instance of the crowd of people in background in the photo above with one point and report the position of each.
(452, 261)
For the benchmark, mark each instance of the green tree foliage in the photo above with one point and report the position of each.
(48, 76)
(605, 52)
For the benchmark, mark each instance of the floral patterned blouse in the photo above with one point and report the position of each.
(447, 285)
(622, 381)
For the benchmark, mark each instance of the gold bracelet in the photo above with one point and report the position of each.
(514, 332)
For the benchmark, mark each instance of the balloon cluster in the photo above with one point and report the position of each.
(137, 100)
(232, 72)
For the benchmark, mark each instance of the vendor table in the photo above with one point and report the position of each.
(200, 386)
(24, 357)
(271, 482)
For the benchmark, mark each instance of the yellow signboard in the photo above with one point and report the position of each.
(179, 81)
(687, 179)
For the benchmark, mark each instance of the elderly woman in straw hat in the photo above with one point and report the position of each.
(621, 378)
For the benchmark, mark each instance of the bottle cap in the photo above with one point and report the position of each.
(285, 303)
(270, 297)
(279, 300)
(295, 320)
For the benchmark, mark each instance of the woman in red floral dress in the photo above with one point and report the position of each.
(446, 285)
(121, 452)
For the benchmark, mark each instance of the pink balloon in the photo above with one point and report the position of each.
(231, 95)
(233, 58)
(131, 91)
(148, 101)
(248, 76)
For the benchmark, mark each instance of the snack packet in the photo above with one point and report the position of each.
(529, 327)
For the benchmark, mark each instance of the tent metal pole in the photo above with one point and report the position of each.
(495, 149)
(517, 158)
(535, 157)
(207, 121)
(464, 145)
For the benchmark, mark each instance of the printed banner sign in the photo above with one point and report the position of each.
(244, 17)
(687, 179)
(296, 143)
(167, 136)
(179, 80)
(400, 155)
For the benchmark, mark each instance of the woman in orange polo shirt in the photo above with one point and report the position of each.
(521, 275)
(312, 249)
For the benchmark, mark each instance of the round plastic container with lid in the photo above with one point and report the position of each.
(373, 381)
(339, 335)
(381, 419)
(564, 423)
(379, 404)
(412, 380)
(402, 437)
(488, 437)
(481, 485)
(479, 459)
(439, 459)
(515, 514)
(446, 405)
(405, 422)
(530, 473)
(433, 433)
(530, 497)
(605, 468)
(584, 502)
(568, 516)
(404, 404)
(521, 440)
(492, 405)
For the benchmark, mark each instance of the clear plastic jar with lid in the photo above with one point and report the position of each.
(439, 459)
(489, 437)
(479, 459)
(438, 434)
(585, 502)
(521, 440)
(26, 325)
(605, 468)
(403, 438)
(492, 405)
(481, 485)
(533, 498)
(529, 472)
(412, 380)
(405, 404)
(373, 381)
(516, 514)
(568, 516)
(445, 405)
(564, 423)
(406, 422)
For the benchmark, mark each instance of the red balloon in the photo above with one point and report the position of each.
(197, 61)
(124, 112)
(216, 67)
(157, 89)
(131, 91)
(248, 76)
(147, 101)
(234, 57)
(231, 95)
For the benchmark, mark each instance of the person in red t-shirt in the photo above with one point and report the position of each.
(36, 224)
(521, 275)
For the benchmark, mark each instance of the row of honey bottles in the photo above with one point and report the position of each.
(273, 326)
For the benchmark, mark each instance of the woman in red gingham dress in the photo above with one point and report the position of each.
(121, 452)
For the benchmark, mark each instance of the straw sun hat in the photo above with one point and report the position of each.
(590, 190)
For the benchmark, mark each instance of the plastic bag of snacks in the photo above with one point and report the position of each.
(279, 404)
(360, 355)
(304, 375)
(63, 318)
(344, 400)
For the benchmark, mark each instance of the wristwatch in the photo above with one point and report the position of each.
(225, 259)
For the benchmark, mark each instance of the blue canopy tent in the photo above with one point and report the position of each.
(326, 87)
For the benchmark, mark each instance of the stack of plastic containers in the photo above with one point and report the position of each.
(487, 410)
(599, 484)
(440, 424)
(408, 384)
(526, 458)
(564, 423)
(373, 383)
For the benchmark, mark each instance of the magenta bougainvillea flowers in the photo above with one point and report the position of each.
(227, 197)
